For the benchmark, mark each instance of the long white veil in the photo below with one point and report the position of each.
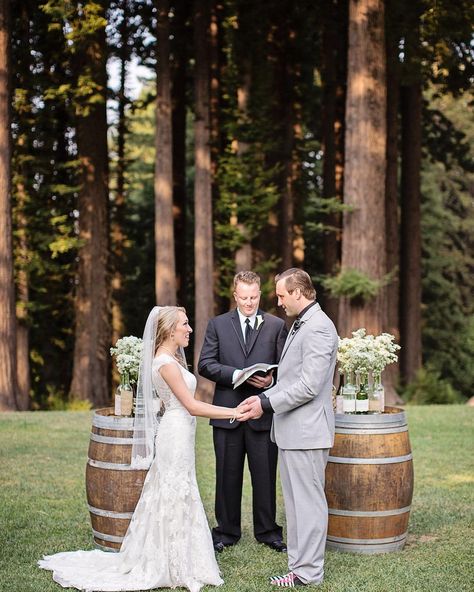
(146, 420)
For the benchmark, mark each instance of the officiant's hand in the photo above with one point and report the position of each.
(251, 408)
(261, 382)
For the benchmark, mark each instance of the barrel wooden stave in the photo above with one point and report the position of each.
(369, 483)
(378, 487)
(113, 488)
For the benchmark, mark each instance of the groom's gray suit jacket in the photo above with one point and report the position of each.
(302, 397)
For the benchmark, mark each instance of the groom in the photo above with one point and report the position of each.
(233, 341)
(303, 425)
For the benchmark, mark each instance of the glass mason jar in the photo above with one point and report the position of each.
(377, 395)
(362, 395)
(349, 394)
(125, 394)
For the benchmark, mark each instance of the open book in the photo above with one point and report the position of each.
(261, 369)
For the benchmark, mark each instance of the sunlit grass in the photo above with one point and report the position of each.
(43, 509)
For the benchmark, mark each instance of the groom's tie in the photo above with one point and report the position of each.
(248, 332)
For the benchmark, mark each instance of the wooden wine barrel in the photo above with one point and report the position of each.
(112, 487)
(369, 483)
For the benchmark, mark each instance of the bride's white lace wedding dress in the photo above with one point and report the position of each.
(168, 543)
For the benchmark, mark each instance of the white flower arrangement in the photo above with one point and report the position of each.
(259, 321)
(128, 353)
(364, 353)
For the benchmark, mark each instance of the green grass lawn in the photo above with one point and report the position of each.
(43, 508)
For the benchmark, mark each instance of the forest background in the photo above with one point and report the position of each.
(333, 135)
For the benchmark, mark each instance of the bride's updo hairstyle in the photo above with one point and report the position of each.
(167, 322)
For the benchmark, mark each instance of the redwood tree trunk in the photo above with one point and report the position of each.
(334, 58)
(165, 267)
(22, 317)
(91, 365)
(178, 89)
(7, 292)
(410, 248)
(392, 372)
(204, 264)
(363, 245)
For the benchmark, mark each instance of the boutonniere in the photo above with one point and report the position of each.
(259, 322)
(296, 325)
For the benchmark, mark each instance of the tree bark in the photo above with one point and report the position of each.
(334, 72)
(22, 320)
(392, 372)
(410, 247)
(178, 90)
(204, 264)
(8, 387)
(90, 380)
(117, 227)
(363, 244)
(165, 266)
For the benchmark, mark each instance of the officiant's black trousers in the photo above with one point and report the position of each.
(231, 446)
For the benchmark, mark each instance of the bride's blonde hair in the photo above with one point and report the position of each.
(167, 322)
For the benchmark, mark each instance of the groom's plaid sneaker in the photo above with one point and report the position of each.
(289, 580)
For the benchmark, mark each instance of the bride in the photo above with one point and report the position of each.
(168, 542)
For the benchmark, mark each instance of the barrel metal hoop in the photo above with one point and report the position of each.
(111, 466)
(393, 539)
(369, 514)
(370, 461)
(109, 513)
(111, 440)
(107, 537)
(376, 421)
(366, 549)
(112, 422)
(367, 431)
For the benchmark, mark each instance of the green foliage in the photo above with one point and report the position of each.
(354, 284)
(429, 388)
(448, 241)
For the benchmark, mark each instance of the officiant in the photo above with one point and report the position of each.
(233, 341)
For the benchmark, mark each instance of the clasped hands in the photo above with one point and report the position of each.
(251, 408)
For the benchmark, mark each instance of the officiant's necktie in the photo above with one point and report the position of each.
(248, 331)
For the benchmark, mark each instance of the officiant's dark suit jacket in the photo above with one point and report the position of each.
(224, 351)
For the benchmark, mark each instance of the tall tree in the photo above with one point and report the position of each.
(392, 18)
(410, 239)
(179, 31)
(165, 266)
(90, 380)
(334, 60)
(7, 295)
(203, 215)
(363, 245)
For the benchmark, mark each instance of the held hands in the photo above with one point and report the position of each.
(261, 382)
(251, 408)
(238, 413)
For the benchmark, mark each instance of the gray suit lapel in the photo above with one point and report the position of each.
(291, 335)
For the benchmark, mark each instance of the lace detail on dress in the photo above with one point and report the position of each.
(163, 391)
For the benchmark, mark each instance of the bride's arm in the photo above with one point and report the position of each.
(174, 379)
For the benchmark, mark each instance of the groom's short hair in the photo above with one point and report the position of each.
(246, 277)
(297, 278)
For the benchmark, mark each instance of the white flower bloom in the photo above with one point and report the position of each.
(259, 321)
(364, 353)
(128, 353)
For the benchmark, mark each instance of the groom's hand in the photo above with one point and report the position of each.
(251, 408)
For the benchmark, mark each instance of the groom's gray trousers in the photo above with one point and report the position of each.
(302, 478)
